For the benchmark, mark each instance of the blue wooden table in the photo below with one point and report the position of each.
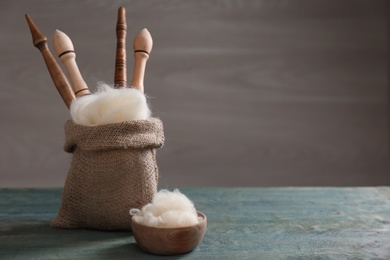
(243, 223)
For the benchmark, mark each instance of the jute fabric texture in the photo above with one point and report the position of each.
(113, 169)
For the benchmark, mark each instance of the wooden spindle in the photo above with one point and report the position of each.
(63, 46)
(142, 45)
(59, 79)
(120, 80)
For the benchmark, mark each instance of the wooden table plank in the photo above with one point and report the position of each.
(244, 223)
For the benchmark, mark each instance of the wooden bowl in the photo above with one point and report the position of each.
(169, 241)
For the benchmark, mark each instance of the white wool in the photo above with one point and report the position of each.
(167, 210)
(109, 105)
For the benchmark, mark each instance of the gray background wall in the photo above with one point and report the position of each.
(252, 93)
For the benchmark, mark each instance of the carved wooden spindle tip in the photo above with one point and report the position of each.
(62, 43)
(121, 14)
(37, 36)
(121, 22)
(143, 41)
(55, 71)
(120, 80)
(63, 47)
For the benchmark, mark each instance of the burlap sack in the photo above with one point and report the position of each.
(113, 170)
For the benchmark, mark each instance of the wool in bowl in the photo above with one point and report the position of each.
(167, 210)
(109, 105)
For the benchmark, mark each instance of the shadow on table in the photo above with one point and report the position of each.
(36, 239)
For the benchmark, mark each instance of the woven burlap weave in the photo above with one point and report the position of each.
(113, 169)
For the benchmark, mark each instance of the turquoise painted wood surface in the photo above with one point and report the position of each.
(244, 223)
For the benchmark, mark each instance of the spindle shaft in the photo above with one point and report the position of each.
(59, 79)
(142, 45)
(120, 80)
(63, 46)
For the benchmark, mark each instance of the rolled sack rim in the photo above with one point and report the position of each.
(135, 134)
